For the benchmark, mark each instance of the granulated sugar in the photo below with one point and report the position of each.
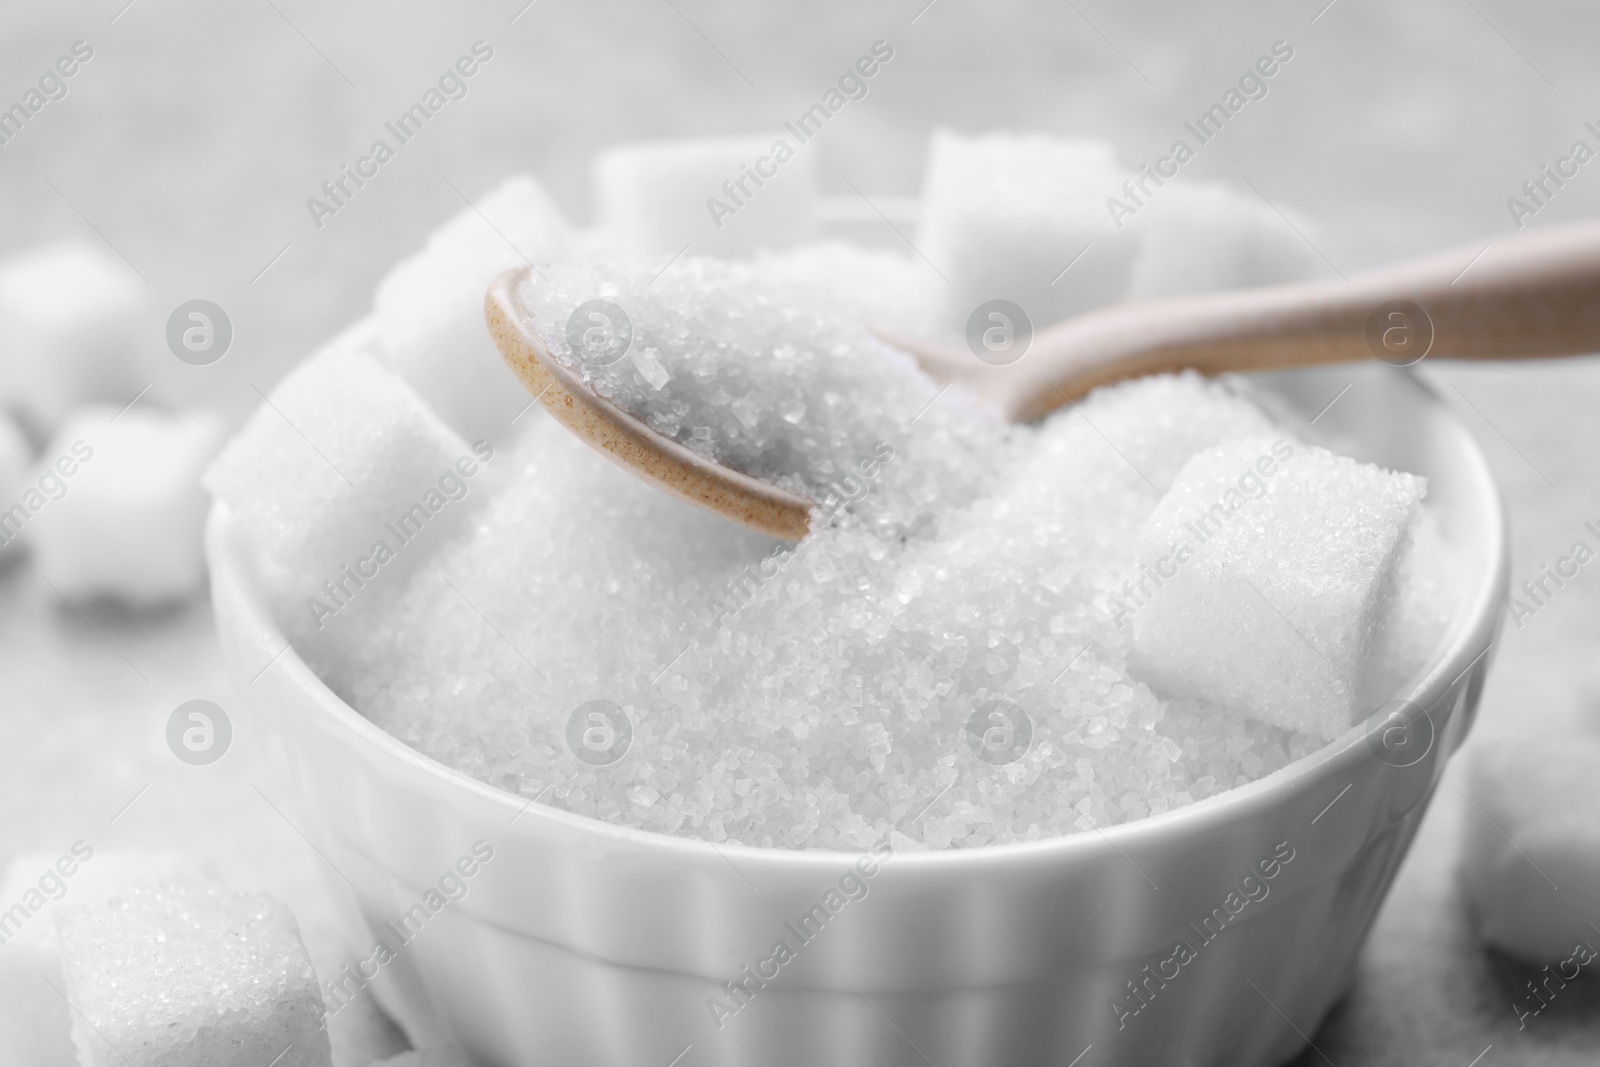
(944, 660)
(745, 365)
(823, 695)
(577, 572)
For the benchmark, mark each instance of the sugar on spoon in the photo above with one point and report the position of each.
(1529, 297)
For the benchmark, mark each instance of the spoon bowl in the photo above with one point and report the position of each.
(621, 436)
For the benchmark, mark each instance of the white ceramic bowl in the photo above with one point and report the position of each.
(583, 944)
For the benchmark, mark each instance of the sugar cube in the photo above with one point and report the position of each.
(429, 307)
(69, 322)
(35, 1021)
(117, 510)
(16, 462)
(1419, 613)
(190, 973)
(720, 196)
(339, 473)
(1004, 216)
(1264, 574)
(1531, 859)
(1204, 238)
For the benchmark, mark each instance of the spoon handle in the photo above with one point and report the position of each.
(1531, 296)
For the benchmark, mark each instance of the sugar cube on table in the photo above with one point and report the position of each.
(35, 1022)
(190, 973)
(720, 196)
(1531, 858)
(336, 477)
(69, 323)
(1004, 216)
(16, 463)
(116, 509)
(1265, 573)
(1206, 238)
(429, 307)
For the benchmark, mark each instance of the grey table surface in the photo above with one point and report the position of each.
(191, 141)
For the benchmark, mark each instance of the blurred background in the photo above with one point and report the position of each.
(190, 142)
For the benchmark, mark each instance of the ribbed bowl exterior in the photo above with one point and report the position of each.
(582, 944)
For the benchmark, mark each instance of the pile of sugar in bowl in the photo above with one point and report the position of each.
(992, 633)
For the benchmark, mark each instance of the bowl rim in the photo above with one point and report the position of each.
(1474, 627)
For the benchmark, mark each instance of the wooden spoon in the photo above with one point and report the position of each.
(1527, 297)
